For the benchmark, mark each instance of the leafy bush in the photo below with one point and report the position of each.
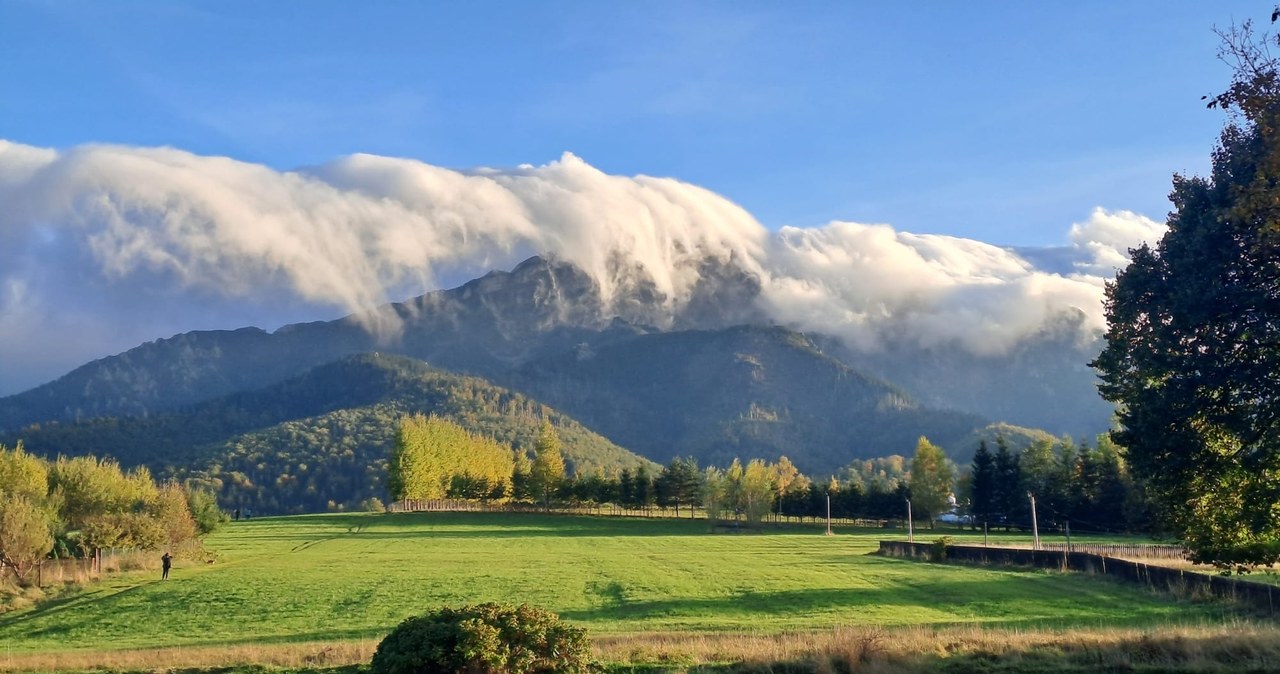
(938, 549)
(483, 639)
(204, 509)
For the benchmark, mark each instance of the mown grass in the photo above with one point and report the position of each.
(348, 579)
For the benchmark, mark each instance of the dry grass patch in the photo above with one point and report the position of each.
(1222, 648)
(1241, 647)
(292, 656)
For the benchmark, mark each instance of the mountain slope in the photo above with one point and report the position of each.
(545, 329)
(480, 327)
(321, 437)
(740, 392)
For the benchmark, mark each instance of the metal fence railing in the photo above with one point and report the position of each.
(1124, 550)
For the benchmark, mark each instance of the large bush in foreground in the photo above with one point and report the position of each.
(483, 639)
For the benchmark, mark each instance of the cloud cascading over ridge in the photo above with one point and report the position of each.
(104, 246)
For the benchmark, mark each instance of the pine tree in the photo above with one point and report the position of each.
(982, 497)
(1007, 496)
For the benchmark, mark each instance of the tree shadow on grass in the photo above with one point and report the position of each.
(959, 602)
(79, 601)
(523, 524)
(449, 524)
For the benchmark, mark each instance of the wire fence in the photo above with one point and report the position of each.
(80, 570)
(1123, 550)
(1139, 551)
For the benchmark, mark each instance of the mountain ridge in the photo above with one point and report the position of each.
(538, 328)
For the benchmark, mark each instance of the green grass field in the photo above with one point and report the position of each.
(352, 577)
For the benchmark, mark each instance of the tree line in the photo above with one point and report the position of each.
(77, 506)
(436, 458)
(1087, 487)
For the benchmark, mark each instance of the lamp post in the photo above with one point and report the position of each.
(1035, 526)
(911, 530)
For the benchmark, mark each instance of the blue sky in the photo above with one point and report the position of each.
(1052, 127)
(1000, 121)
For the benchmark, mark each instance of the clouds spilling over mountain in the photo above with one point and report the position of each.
(124, 244)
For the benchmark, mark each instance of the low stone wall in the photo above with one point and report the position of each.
(1261, 595)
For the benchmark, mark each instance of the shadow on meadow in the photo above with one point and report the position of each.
(961, 598)
(78, 602)
(520, 525)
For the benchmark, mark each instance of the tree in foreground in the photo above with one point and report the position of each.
(933, 478)
(484, 639)
(1193, 338)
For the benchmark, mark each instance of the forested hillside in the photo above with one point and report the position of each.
(321, 440)
(744, 392)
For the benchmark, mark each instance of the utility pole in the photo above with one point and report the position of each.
(828, 514)
(1035, 526)
(911, 531)
(984, 534)
(1068, 535)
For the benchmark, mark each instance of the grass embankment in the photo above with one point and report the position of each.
(321, 590)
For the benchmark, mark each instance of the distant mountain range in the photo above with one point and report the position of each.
(712, 382)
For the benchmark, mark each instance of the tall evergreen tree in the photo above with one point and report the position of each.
(982, 496)
(644, 494)
(679, 484)
(1008, 494)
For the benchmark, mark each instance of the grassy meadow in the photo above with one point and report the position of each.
(346, 579)
(321, 590)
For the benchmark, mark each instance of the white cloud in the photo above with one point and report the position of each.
(363, 230)
(1107, 236)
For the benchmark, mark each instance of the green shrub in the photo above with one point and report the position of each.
(483, 639)
(938, 549)
(205, 511)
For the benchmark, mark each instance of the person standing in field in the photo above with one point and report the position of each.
(166, 561)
